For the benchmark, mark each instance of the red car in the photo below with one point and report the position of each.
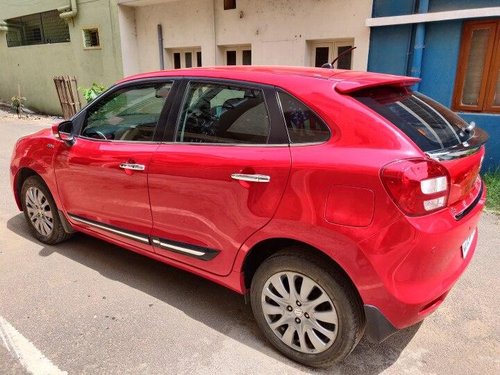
(342, 202)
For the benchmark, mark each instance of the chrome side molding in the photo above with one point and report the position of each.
(159, 243)
(198, 252)
(124, 233)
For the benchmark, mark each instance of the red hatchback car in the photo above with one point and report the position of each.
(342, 202)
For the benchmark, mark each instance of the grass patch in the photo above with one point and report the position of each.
(492, 180)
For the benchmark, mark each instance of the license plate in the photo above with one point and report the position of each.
(467, 243)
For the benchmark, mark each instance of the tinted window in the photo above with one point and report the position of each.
(345, 58)
(247, 57)
(128, 115)
(216, 113)
(303, 125)
(231, 57)
(321, 56)
(177, 60)
(429, 124)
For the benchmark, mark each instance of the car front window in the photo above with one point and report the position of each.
(130, 114)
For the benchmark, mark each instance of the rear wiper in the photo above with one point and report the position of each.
(470, 127)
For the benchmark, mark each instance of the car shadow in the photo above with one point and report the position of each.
(228, 313)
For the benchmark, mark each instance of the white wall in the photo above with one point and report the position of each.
(277, 30)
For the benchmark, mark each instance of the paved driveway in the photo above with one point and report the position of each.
(91, 307)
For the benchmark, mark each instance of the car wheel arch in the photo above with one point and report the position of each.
(266, 248)
(21, 176)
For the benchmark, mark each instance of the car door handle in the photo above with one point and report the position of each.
(133, 166)
(251, 177)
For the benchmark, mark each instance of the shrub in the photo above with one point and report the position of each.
(492, 181)
(92, 92)
(17, 104)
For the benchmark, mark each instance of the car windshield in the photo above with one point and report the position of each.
(429, 124)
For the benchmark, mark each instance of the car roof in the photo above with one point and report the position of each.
(285, 76)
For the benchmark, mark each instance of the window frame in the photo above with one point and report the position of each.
(490, 68)
(80, 119)
(182, 52)
(278, 135)
(43, 37)
(238, 49)
(91, 29)
(229, 4)
(333, 46)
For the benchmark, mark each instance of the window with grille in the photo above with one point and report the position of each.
(91, 38)
(477, 84)
(39, 28)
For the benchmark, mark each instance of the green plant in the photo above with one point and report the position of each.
(492, 181)
(17, 103)
(92, 92)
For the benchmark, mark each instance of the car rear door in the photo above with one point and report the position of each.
(102, 177)
(220, 175)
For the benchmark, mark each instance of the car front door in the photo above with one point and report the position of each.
(102, 178)
(220, 176)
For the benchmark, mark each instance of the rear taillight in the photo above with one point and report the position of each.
(417, 186)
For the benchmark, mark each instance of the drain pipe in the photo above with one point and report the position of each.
(419, 44)
(160, 46)
(69, 11)
(4, 26)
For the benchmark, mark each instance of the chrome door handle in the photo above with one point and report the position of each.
(251, 177)
(133, 166)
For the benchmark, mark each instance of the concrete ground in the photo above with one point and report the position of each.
(91, 307)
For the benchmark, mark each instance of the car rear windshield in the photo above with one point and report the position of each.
(429, 124)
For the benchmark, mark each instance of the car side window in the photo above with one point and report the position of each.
(130, 114)
(304, 126)
(221, 113)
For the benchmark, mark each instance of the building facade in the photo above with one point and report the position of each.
(453, 46)
(168, 34)
(103, 40)
(41, 39)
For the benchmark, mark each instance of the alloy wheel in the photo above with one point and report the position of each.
(39, 212)
(299, 312)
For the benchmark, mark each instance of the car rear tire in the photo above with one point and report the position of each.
(308, 311)
(41, 212)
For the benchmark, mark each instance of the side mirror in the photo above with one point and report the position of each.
(63, 131)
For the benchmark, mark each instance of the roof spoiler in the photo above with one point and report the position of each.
(348, 87)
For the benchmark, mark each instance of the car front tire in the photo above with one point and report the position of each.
(41, 212)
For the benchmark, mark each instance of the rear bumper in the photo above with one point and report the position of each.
(417, 261)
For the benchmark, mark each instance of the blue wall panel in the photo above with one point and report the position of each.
(439, 65)
(386, 8)
(389, 49)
